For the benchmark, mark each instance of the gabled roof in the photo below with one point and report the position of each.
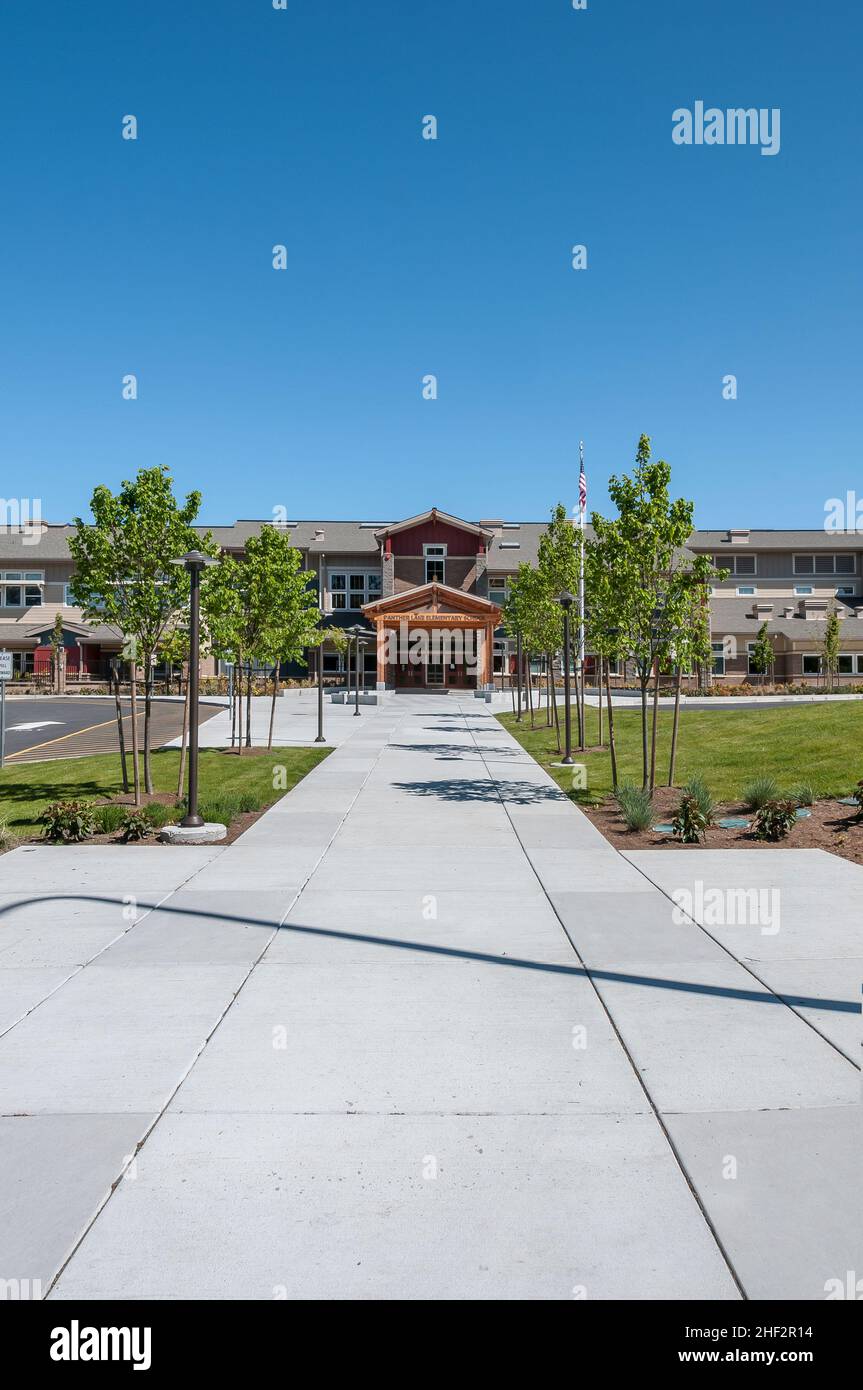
(408, 598)
(435, 514)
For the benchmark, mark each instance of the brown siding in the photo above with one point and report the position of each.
(456, 541)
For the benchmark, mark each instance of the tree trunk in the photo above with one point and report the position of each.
(148, 709)
(643, 679)
(653, 731)
(273, 705)
(556, 717)
(249, 705)
(549, 719)
(136, 765)
(611, 748)
(530, 692)
(675, 725)
(121, 738)
(184, 739)
(599, 666)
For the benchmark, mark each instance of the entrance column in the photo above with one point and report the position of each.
(488, 655)
(381, 635)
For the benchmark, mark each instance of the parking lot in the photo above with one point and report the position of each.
(45, 727)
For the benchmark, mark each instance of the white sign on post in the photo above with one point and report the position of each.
(5, 666)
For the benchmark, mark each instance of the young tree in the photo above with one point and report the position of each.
(558, 563)
(644, 594)
(174, 650)
(830, 649)
(58, 652)
(124, 575)
(761, 655)
(532, 611)
(262, 609)
(691, 647)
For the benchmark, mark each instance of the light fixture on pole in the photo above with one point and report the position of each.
(566, 600)
(194, 563)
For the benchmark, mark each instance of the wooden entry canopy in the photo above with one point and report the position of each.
(436, 606)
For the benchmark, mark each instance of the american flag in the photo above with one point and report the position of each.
(582, 482)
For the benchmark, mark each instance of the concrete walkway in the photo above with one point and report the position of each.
(420, 1033)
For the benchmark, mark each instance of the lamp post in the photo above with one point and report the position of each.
(194, 562)
(362, 643)
(320, 738)
(356, 633)
(566, 600)
(518, 673)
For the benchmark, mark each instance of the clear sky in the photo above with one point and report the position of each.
(303, 388)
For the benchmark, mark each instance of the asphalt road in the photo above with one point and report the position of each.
(45, 727)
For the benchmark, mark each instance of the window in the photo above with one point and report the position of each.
(751, 668)
(811, 664)
(845, 591)
(859, 660)
(803, 589)
(718, 649)
(498, 590)
(824, 564)
(744, 590)
(21, 588)
(846, 664)
(735, 564)
(435, 560)
(350, 589)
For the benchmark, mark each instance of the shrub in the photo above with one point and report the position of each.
(109, 817)
(758, 792)
(136, 825)
(697, 787)
(636, 806)
(158, 815)
(68, 822)
(774, 819)
(8, 839)
(858, 797)
(803, 793)
(224, 808)
(690, 823)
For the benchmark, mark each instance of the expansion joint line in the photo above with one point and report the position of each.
(216, 1026)
(678, 1157)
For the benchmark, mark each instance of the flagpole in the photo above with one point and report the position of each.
(582, 503)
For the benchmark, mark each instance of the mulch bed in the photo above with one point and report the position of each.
(237, 827)
(830, 826)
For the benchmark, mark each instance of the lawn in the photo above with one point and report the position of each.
(27, 788)
(821, 744)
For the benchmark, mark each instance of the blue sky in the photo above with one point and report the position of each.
(302, 388)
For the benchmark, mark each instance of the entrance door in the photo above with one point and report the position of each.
(434, 673)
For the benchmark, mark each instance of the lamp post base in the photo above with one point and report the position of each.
(207, 833)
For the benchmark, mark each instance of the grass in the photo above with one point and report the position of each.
(27, 788)
(725, 747)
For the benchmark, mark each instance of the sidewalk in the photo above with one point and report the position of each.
(420, 1033)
